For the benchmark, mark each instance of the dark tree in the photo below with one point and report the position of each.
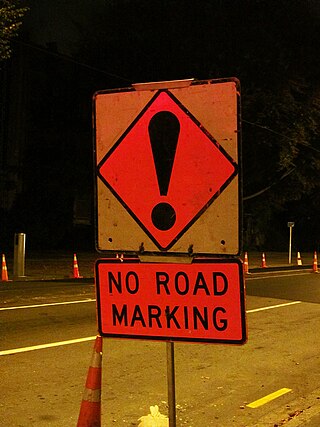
(11, 14)
(271, 46)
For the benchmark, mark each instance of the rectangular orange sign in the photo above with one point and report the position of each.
(199, 302)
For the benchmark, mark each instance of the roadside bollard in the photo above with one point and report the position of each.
(19, 255)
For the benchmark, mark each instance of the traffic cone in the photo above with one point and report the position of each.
(4, 271)
(263, 261)
(315, 263)
(246, 264)
(299, 260)
(90, 411)
(76, 274)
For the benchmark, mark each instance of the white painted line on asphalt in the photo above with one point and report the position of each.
(93, 300)
(79, 340)
(46, 305)
(42, 346)
(270, 307)
(274, 276)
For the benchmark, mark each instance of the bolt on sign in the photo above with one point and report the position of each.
(198, 302)
(167, 168)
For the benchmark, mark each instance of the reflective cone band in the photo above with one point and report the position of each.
(263, 261)
(315, 263)
(299, 260)
(90, 411)
(76, 274)
(4, 271)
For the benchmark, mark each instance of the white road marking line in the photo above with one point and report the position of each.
(46, 305)
(42, 346)
(275, 276)
(75, 341)
(93, 300)
(269, 307)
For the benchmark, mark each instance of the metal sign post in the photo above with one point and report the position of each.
(177, 144)
(290, 225)
(171, 384)
(198, 302)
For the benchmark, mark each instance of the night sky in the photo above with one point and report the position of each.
(68, 50)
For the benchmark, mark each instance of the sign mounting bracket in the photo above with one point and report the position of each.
(169, 84)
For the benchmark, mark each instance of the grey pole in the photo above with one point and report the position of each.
(171, 384)
(290, 225)
(19, 255)
(290, 244)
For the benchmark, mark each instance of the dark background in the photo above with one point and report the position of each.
(68, 50)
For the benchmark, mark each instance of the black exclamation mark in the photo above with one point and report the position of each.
(164, 128)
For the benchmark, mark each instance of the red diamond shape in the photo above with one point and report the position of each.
(199, 172)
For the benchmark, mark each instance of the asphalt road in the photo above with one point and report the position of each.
(47, 333)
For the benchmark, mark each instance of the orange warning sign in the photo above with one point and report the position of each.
(164, 167)
(159, 156)
(198, 302)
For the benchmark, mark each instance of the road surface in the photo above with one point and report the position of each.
(47, 333)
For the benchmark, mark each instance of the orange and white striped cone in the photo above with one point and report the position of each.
(299, 259)
(90, 411)
(4, 270)
(246, 264)
(263, 261)
(76, 274)
(315, 263)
